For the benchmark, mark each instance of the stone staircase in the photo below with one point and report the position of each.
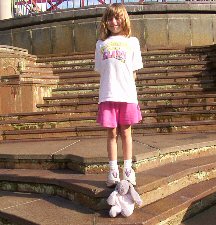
(63, 182)
(53, 161)
(176, 89)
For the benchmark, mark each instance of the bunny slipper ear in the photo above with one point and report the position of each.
(134, 194)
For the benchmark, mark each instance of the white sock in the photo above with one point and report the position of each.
(127, 164)
(113, 165)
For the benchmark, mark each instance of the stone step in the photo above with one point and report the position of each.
(38, 65)
(79, 81)
(168, 178)
(179, 116)
(142, 74)
(92, 129)
(161, 114)
(201, 75)
(74, 65)
(170, 193)
(148, 56)
(93, 106)
(80, 57)
(77, 74)
(29, 209)
(164, 77)
(77, 119)
(93, 89)
(174, 58)
(145, 98)
(177, 64)
(182, 84)
(174, 70)
(77, 106)
(176, 126)
(46, 115)
(37, 70)
(179, 107)
(160, 76)
(41, 123)
(147, 64)
(206, 217)
(149, 151)
(148, 67)
(148, 89)
(174, 100)
(76, 57)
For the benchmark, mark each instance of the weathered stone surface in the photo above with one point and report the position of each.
(41, 40)
(138, 27)
(204, 35)
(164, 26)
(179, 30)
(5, 38)
(84, 35)
(156, 32)
(62, 43)
(22, 38)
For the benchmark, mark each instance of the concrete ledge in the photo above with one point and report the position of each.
(97, 11)
(77, 154)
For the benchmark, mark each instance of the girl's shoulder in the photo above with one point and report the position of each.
(134, 39)
(99, 42)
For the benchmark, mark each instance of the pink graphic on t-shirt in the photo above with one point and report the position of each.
(115, 54)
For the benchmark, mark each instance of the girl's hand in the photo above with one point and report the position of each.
(134, 75)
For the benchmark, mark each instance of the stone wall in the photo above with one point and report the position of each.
(20, 92)
(157, 25)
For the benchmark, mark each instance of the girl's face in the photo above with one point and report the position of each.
(114, 25)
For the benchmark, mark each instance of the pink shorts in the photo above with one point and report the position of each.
(112, 114)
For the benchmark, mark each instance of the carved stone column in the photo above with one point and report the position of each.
(5, 9)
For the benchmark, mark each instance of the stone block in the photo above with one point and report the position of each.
(41, 40)
(179, 31)
(97, 24)
(138, 29)
(85, 35)
(156, 31)
(201, 29)
(214, 27)
(5, 38)
(62, 38)
(22, 98)
(22, 38)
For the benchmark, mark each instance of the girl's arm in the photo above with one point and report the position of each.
(134, 75)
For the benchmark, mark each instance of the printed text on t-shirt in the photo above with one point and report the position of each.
(115, 54)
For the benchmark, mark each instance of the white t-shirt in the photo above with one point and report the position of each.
(116, 59)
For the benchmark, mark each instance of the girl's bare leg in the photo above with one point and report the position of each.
(112, 138)
(126, 141)
(128, 172)
(113, 175)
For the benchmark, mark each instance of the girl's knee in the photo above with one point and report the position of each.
(125, 132)
(112, 133)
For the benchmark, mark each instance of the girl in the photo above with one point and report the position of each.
(117, 57)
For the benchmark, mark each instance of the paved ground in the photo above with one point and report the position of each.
(94, 149)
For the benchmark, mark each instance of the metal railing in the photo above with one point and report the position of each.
(26, 7)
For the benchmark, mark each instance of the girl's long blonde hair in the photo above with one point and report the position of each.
(115, 10)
